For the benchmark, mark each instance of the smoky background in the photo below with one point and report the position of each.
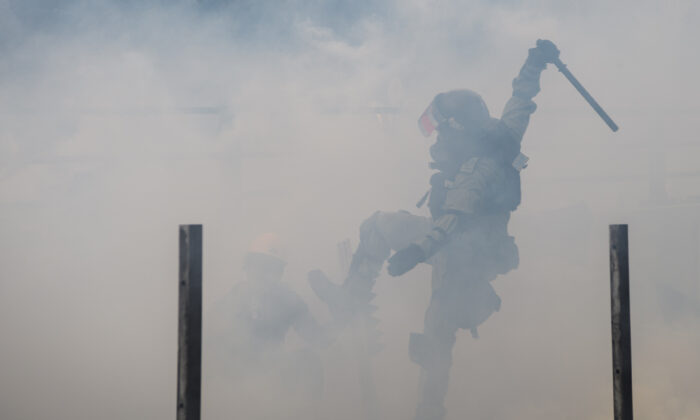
(121, 120)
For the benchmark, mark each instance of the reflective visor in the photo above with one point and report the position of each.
(430, 119)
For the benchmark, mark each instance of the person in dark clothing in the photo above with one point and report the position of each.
(247, 328)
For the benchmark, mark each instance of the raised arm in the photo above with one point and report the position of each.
(516, 114)
(476, 175)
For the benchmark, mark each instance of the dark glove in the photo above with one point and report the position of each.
(405, 259)
(545, 52)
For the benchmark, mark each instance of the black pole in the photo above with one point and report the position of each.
(620, 322)
(587, 96)
(189, 354)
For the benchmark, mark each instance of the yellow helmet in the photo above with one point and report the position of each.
(265, 257)
(267, 244)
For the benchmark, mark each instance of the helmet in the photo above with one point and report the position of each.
(460, 109)
(265, 254)
(268, 244)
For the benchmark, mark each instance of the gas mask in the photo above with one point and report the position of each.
(459, 117)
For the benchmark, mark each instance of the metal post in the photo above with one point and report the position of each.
(620, 322)
(189, 364)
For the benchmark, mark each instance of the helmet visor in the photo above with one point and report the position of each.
(430, 119)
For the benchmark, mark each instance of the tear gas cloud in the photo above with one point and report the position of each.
(121, 120)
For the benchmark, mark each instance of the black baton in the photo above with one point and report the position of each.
(587, 96)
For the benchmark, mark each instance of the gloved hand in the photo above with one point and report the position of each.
(545, 52)
(405, 259)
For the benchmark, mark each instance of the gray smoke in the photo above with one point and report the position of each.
(121, 120)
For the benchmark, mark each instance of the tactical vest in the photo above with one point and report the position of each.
(505, 196)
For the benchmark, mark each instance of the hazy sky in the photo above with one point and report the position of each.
(121, 120)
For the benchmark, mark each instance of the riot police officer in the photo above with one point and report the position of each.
(475, 187)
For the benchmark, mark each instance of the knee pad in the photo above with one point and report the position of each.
(372, 251)
(373, 245)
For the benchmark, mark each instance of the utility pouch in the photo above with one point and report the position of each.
(438, 194)
(520, 162)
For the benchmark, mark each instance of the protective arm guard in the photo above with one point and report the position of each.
(516, 114)
(407, 258)
(443, 228)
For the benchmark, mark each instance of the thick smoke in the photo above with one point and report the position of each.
(121, 120)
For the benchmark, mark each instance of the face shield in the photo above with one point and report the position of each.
(432, 118)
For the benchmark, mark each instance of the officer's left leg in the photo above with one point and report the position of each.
(462, 298)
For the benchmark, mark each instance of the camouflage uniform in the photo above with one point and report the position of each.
(466, 241)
